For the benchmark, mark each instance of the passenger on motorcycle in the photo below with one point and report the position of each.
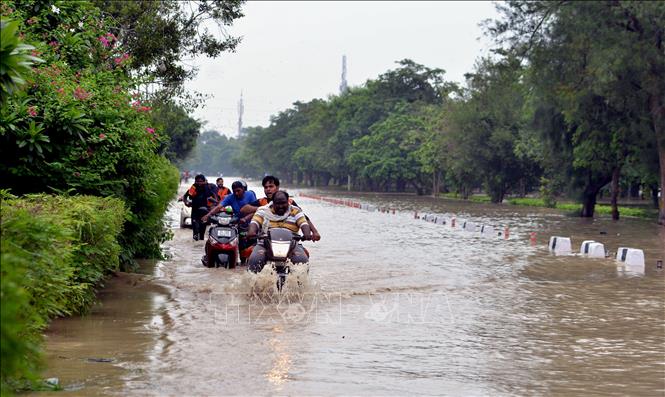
(270, 186)
(222, 191)
(203, 196)
(279, 213)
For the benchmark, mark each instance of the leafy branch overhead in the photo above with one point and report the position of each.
(162, 35)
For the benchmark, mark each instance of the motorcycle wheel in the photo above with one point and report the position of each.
(281, 280)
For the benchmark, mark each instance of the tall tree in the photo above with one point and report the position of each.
(160, 34)
(601, 63)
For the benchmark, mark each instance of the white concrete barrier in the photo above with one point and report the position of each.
(631, 257)
(440, 220)
(469, 226)
(584, 248)
(596, 250)
(560, 245)
(487, 230)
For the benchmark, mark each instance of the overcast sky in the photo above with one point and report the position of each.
(292, 51)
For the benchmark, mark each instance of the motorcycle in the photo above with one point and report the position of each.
(280, 244)
(226, 245)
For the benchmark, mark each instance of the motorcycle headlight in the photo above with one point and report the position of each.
(280, 249)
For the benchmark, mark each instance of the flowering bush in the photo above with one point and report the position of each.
(75, 126)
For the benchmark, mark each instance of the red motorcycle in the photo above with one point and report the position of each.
(227, 245)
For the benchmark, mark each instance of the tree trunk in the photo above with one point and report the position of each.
(658, 118)
(615, 192)
(654, 195)
(634, 191)
(435, 184)
(589, 202)
(661, 203)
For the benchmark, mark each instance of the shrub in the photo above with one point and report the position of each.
(78, 127)
(55, 252)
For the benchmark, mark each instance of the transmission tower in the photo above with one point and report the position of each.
(241, 110)
(343, 86)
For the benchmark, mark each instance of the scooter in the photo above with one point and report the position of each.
(226, 245)
(279, 244)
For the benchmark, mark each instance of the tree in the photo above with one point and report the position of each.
(181, 129)
(160, 34)
(389, 153)
(485, 128)
(213, 154)
(594, 61)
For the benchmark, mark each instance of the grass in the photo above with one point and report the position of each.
(601, 209)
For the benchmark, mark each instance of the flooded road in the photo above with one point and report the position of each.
(392, 306)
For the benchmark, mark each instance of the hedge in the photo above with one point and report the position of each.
(56, 251)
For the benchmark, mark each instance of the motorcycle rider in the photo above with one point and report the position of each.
(202, 195)
(270, 186)
(279, 213)
(237, 200)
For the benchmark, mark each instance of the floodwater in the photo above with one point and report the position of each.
(392, 305)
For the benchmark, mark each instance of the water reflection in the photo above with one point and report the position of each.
(281, 359)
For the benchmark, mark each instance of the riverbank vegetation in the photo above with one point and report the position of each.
(93, 113)
(569, 104)
(56, 251)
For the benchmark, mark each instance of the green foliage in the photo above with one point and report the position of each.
(14, 62)
(548, 192)
(77, 126)
(181, 129)
(598, 66)
(145, 229)
(214, 154)
(161, 34)
(55, 252)
(572, 207)
(322, 141)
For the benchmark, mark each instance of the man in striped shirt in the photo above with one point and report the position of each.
(280, 214)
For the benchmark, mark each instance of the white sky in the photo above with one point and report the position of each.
(292, 51)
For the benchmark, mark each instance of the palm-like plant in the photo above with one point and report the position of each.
(14, 59)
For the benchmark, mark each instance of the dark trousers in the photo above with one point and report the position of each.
(198, 226)
(257, 260)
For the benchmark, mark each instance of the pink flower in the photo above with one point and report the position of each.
(121, 59)
(102, 136)
(105, 42)
(77, 173)
(81, 94)
(32, 112)
(61, 90)
(31, 21)
(150, 130)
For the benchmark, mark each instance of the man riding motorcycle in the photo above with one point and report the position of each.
(237, 200)
(278, 214)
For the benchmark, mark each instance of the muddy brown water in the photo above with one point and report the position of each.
(392, 305)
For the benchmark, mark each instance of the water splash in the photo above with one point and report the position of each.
(262, 286)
